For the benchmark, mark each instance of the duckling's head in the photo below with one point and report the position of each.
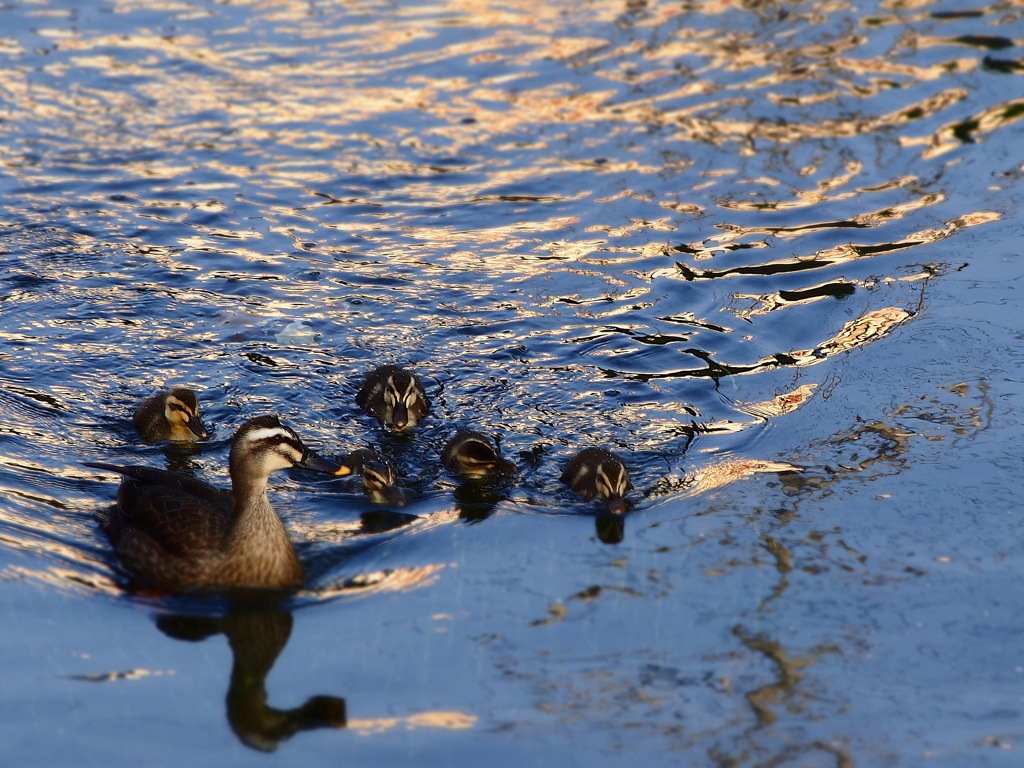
(472, 454)
(181, 409)
(263, 445)
(395, 396)
(596, 473)
(379, 477)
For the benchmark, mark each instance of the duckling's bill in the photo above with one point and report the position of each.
(393, 495)
(196, 427)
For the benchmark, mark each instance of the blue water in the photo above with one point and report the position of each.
(766, 252)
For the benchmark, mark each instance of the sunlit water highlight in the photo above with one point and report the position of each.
(765, 251)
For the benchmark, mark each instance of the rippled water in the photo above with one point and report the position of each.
(766, 251)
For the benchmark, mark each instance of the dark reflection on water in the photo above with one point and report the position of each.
(763, 250)
(611, 529)
(256, 638)
(477, 500)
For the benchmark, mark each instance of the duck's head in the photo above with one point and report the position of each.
(472, 454)
(263, 445)
(379, 477)
(395, 396)
(596, 473)
(181, 409)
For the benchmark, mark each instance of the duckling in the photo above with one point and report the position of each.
(378, 474)
(180, 534)
(596, 473)
(473, 454)
(171, 415)
(395, 396)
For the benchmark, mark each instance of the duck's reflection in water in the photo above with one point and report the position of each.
(257, 636)
(611, 528)
(476, 499)
(179, 457)
(384, 520)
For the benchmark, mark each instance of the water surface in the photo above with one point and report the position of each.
(765, 251)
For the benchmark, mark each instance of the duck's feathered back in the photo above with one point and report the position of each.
(473, 454)
(179, 533)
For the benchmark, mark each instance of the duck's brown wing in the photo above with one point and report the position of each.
(180, 515)
(149, 561)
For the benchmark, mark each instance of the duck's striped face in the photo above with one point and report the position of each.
(380, 484)
(273, 446)
(378, 475)
(395, 396)
(403, 399)
(181, 409)
(611, 481)
(276, 447)
(600, 478)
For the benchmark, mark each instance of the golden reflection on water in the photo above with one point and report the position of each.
(373, 105)
(448, 721)
(786, 690)
(521, 39)
(970, 130)
(68, 580)
(601, 175)
(719, 474)
(402, 579)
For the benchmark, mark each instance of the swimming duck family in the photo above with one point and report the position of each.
(182, 534)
